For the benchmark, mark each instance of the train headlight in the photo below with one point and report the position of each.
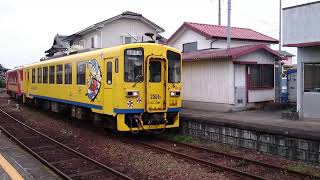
(174, 93)
(132, 93)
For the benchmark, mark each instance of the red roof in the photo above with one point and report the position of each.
(232, 53)
(220, 32)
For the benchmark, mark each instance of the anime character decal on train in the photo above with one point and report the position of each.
(94, 80)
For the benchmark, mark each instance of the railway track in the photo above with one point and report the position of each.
(243, 167)
(65, 161)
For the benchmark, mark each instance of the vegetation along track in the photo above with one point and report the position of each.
(65, 161)
(241, 166)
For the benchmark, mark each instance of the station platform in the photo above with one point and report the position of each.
(263, 121)
(17, 164)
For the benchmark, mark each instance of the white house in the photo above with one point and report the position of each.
(301, 29)
(220, 79)
(128, 27)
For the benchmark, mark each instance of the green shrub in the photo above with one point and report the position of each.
(2, 83)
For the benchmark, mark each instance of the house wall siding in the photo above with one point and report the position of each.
(308, 103)
(113, 32)
(208, 81)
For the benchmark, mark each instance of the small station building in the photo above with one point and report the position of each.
(301, 29)
(220, 79)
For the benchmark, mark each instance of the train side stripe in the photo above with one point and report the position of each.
(69, 102)
(174, 109)
(127, 111)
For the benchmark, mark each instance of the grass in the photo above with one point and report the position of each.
(304, 169)
(183, 139)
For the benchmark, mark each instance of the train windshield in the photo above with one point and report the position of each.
(133, 65)
(174, 67)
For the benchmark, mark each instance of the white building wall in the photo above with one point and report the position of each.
(188, 36)
(301, 24)
(308, 103)
(208, 81)
(113, 33)
(261, 57)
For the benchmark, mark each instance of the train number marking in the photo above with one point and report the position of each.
(155, 96)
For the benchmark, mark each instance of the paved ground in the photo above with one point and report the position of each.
(265, 121)
(16, 164)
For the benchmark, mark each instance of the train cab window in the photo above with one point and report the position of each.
(81, 73)
(59, 74)
(174, 67)
(51, 74)
(45, 75)
(39, 75)
(133, 65)
(68, 73)
(109, 73)
(155, 71)
(33, 75)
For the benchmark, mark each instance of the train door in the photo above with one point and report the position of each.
(156, 82)
(108, 92)
(27, 84)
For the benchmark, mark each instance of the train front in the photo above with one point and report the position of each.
(151, 88)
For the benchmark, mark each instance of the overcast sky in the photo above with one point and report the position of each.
(27, 27)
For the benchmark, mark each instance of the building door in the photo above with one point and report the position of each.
(156, 80)
(240, 86)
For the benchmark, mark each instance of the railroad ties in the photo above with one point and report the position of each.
(65, 161)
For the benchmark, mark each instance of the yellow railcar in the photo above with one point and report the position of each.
(129, 87)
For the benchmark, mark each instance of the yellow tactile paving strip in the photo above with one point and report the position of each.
(9, 169)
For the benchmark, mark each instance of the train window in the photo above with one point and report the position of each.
(59, 74)
(51, 74)
(133, 65)
(81, 73)
(45, 75)
(39, 75)
(33, 75)
(116, 64)
(155, 71)
(109, 73)
(174, 67)
(68, 73)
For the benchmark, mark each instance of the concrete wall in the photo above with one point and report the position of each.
(308, 103)
(112, 33)
(301, 24)
(261, 57)
(187, 36)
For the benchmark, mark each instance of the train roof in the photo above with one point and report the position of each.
(99, 51)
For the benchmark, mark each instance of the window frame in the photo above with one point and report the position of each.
(85, 71)
(45, 77)
(52, 74)
(142, 68)
(261, 77)
(314, 75)
(189, 43)
(109, 73)
(39, 75)
(33, 75)
(68, 74)
(59, 74)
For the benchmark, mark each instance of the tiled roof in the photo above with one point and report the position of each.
(232, 53)
(220, 32)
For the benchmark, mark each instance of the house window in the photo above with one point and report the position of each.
(190, 47)
(81, 73)
(51, 74)
(39, 75)
(68, 73)
(312, 77)
(71, 43)
(109, 73)
(92, 42)
(45, 75)
(81, 43)
(33, 75)
(59, 74)
(261, 76)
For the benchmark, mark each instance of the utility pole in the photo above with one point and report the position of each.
(229, 25)
(280, 25)
(219, 13)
